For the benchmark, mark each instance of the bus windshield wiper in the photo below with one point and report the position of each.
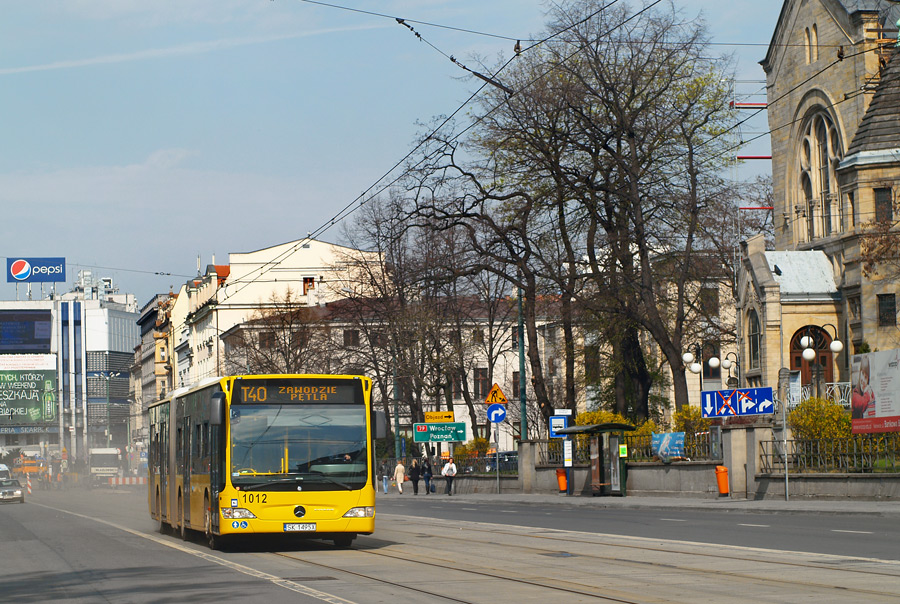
(298, 479)
(271, 482)
(322, 476)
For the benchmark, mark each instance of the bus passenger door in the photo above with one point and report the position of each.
(186, 465)
(163, 465)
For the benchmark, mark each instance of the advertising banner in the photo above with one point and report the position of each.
(27, 397)
(667, 445)
(875, 392)
(30, 270)
(24, 332)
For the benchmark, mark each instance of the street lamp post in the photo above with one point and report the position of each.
(694, 362)
(727, 363)
(808, 342)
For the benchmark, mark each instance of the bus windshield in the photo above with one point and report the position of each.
(298, 447)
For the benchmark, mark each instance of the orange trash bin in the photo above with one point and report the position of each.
(722, 480)
(561, 480)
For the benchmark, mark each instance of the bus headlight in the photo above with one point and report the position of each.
(237, 513)
(363, 512)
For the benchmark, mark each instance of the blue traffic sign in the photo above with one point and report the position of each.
(558, 422)
(741, 401)
(496, 413)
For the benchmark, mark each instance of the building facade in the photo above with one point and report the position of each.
(833, 81)
(65, 362)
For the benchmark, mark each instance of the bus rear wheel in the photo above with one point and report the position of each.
(182, 530)
(160, 525)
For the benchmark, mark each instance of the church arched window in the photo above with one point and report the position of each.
(820, 152)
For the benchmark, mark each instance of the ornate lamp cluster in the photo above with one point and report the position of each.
(807, 341)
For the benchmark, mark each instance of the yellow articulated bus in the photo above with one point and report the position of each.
(266, 454)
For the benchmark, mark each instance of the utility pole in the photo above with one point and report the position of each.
(523, 428)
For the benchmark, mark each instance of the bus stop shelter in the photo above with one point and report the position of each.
(608, 468)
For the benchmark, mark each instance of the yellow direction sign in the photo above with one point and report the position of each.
(495, 396)
(439, 416)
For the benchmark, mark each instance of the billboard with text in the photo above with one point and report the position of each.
(29, 270)
(27, 397)
(875, 392)
(25, 331)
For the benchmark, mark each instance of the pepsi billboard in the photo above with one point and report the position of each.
(30, 270)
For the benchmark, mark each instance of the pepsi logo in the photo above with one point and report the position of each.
(20, 270)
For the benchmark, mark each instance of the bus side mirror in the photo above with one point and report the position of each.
(217, 409)
(380, 421)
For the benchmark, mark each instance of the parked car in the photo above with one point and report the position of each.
(509, 462)
(11, 490)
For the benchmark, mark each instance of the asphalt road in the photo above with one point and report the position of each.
(863, 535)
(101, 546)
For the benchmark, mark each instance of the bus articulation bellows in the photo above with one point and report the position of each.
(266, 454)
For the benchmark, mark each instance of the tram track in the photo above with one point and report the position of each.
(772, 574)
(555, 589)
(743, 557)
(690, 549)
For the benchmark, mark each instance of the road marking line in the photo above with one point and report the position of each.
(252, 572)
(755, 525)
(673, 519)
(854, 532)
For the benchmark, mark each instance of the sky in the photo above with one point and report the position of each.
(140, 136)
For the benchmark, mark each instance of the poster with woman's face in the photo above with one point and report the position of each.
(875, 392)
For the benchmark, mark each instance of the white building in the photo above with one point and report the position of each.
(64, 359)
(209, 305)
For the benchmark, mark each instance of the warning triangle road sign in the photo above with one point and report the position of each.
(495, 396)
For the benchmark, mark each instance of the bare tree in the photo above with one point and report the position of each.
(611, 143)
(281, 336)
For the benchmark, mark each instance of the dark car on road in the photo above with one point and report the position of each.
(11, 490)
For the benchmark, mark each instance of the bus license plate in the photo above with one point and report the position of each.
(299, 526)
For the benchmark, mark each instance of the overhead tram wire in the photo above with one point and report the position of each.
(429, 24)
(730, 129)
(128, 270)
(352, 206)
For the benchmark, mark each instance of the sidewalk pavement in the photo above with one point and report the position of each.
(888, 507)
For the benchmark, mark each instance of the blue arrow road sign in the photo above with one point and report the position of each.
(742, 401)
(496, 413)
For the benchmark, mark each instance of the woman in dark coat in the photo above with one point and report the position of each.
(415, 472)
(426, 474)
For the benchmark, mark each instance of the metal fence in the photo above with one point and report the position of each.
(834, 391)
(697, 447)
(862, 453)
(551, 452)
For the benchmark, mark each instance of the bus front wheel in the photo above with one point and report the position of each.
(344, 541)
(215, 541)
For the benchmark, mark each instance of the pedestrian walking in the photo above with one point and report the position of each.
(400, 475)
(414, 474)
(385, 475)
(448, 472)
(426, 474)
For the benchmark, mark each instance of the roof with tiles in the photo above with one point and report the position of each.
(880, 127)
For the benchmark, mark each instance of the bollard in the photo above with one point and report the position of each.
(722, 480)
(28, 482)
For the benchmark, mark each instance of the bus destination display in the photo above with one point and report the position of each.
(286, 391)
